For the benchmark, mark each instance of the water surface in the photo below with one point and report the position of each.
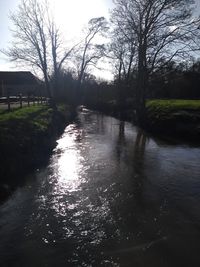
(110, 196)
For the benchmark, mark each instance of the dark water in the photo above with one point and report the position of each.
(110, 196)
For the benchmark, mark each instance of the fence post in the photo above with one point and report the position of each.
(28, 100)
(20, 100)
(8, 102)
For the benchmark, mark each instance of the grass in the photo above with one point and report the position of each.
(171, 109)
(35, 117)
(174, 117)
(174, 104)
(20, 126)
(26, 123)
(27, 136)
(23, 113)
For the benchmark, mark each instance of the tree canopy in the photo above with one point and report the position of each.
(161, 30)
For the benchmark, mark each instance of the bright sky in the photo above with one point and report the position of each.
(5, 6)
(70, 15)
(73, 14)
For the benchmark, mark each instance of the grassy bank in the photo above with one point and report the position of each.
(27, 136)
(177, 117)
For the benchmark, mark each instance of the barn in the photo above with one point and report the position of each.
(14, 83)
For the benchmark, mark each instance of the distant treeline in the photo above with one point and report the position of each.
(174, 81)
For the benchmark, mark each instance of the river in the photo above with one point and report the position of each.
(109, 196)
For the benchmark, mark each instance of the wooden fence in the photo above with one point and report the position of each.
(20, 101)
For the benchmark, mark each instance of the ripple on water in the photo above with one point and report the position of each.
(105, 196)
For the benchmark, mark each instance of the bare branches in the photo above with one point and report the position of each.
(159, 30)
(37, 40)
(89, 53)
(158, 27)
(30, 43)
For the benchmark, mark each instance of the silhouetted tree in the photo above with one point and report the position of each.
(90, 52)
(30, 38)
(161, 29)
(122, 54)
(57, 49)
(37, 41)
(66, 82)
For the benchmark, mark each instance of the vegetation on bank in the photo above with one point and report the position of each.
(35, 116)
(27, 137)
(173, 104)
(181, 117)
(22, 126)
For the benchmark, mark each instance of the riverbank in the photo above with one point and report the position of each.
(27, 136)
(178, 118)
(124, 112)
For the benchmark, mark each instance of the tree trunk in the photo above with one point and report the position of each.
(119, 87)
(49, 94)
(141, 84)
(47, 86)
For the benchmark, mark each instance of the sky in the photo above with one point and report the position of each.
(5, 6)
(71, 17)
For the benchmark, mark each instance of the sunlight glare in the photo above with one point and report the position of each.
(72, 15)
(69, 166)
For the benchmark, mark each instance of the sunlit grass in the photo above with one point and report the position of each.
(21, 125)
(174, 104)
(174, 109)
(22, 113)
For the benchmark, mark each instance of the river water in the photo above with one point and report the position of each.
(110, 196)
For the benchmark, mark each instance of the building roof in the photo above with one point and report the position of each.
(17, 77)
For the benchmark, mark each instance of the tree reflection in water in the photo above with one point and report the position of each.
(121, 141)
(110, 196)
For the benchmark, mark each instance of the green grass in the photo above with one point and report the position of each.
(22, 126)
(37, 116)
(173, 110)
(22, 113)
(174, 104)
(27, 136)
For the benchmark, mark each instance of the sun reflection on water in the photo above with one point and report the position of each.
(75, 201)
(68, 164)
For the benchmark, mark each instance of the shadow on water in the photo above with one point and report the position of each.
(161, 230)
(110, 196)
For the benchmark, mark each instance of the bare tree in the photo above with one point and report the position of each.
(122, 56)
(30, 44)
(90, 52)
(161, 29)
(37, 40)
(58, 54)
(122, 52)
